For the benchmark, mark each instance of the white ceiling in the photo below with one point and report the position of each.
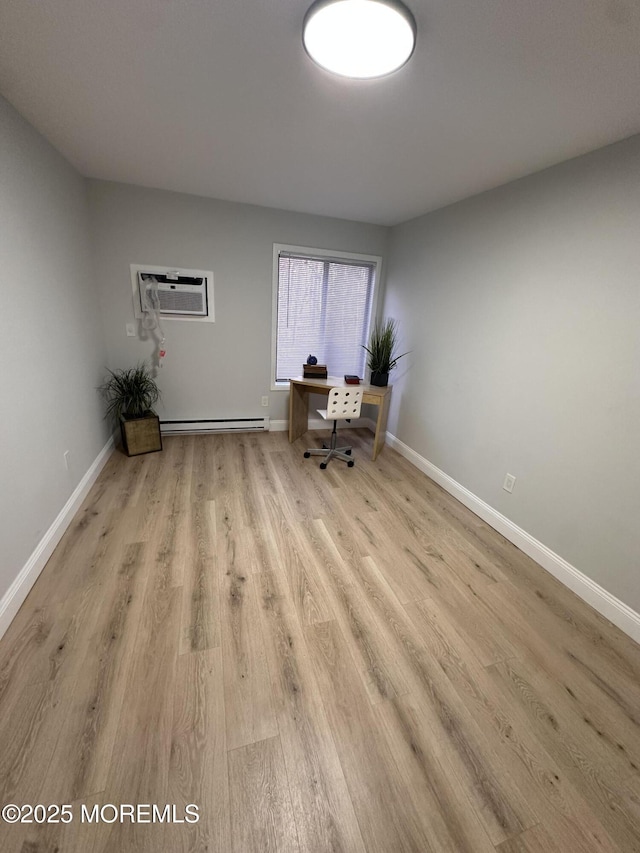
(218, 98)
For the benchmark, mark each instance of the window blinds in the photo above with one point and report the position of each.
(324, 308)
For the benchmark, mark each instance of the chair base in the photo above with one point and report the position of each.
(343, 453)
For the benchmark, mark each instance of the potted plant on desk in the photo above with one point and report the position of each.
(383, 344)
(130, 395)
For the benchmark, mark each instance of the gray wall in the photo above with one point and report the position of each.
(51, 341)
(522, 310)
(219, 369)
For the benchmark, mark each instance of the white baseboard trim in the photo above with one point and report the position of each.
(604, 602)
(19, 589)
(320, 423)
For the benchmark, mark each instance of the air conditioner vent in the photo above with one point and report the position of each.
(182, 294)
(184, 302)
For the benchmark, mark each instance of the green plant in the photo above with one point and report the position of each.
(383, 343)
(129, 393)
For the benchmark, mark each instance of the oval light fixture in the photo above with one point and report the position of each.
(359, 38)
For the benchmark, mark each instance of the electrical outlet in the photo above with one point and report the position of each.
(131, 330)
(509, 482)
(66, 456)
(265, 401)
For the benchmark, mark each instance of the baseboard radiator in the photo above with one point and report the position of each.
(213, 425)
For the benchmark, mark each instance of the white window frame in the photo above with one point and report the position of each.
(374, 260)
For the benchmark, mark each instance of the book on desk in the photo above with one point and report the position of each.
(314, 371)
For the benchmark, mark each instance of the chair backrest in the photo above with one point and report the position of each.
(344, 403)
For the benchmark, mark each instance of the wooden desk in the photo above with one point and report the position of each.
(299, 405)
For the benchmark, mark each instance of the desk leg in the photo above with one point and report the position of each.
(298, 412)
(381, 426)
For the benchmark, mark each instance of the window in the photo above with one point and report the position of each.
(323, 303)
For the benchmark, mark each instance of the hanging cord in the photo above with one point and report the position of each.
(151, 322)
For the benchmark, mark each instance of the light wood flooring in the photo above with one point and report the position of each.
(341, 660)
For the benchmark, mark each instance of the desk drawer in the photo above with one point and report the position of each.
(372, 398)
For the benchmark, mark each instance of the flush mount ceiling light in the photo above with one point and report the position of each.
(359, 38)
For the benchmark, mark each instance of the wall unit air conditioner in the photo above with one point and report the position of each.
(183, 294)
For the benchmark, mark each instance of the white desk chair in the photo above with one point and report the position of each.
(343, 404)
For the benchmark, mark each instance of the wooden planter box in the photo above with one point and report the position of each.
(141, 435)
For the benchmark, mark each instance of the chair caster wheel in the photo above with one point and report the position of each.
(351, 463)
(348, 452)
(323, 465)
(306, 454)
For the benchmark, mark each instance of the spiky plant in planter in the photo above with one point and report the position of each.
(131, 394)
(383, 344)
